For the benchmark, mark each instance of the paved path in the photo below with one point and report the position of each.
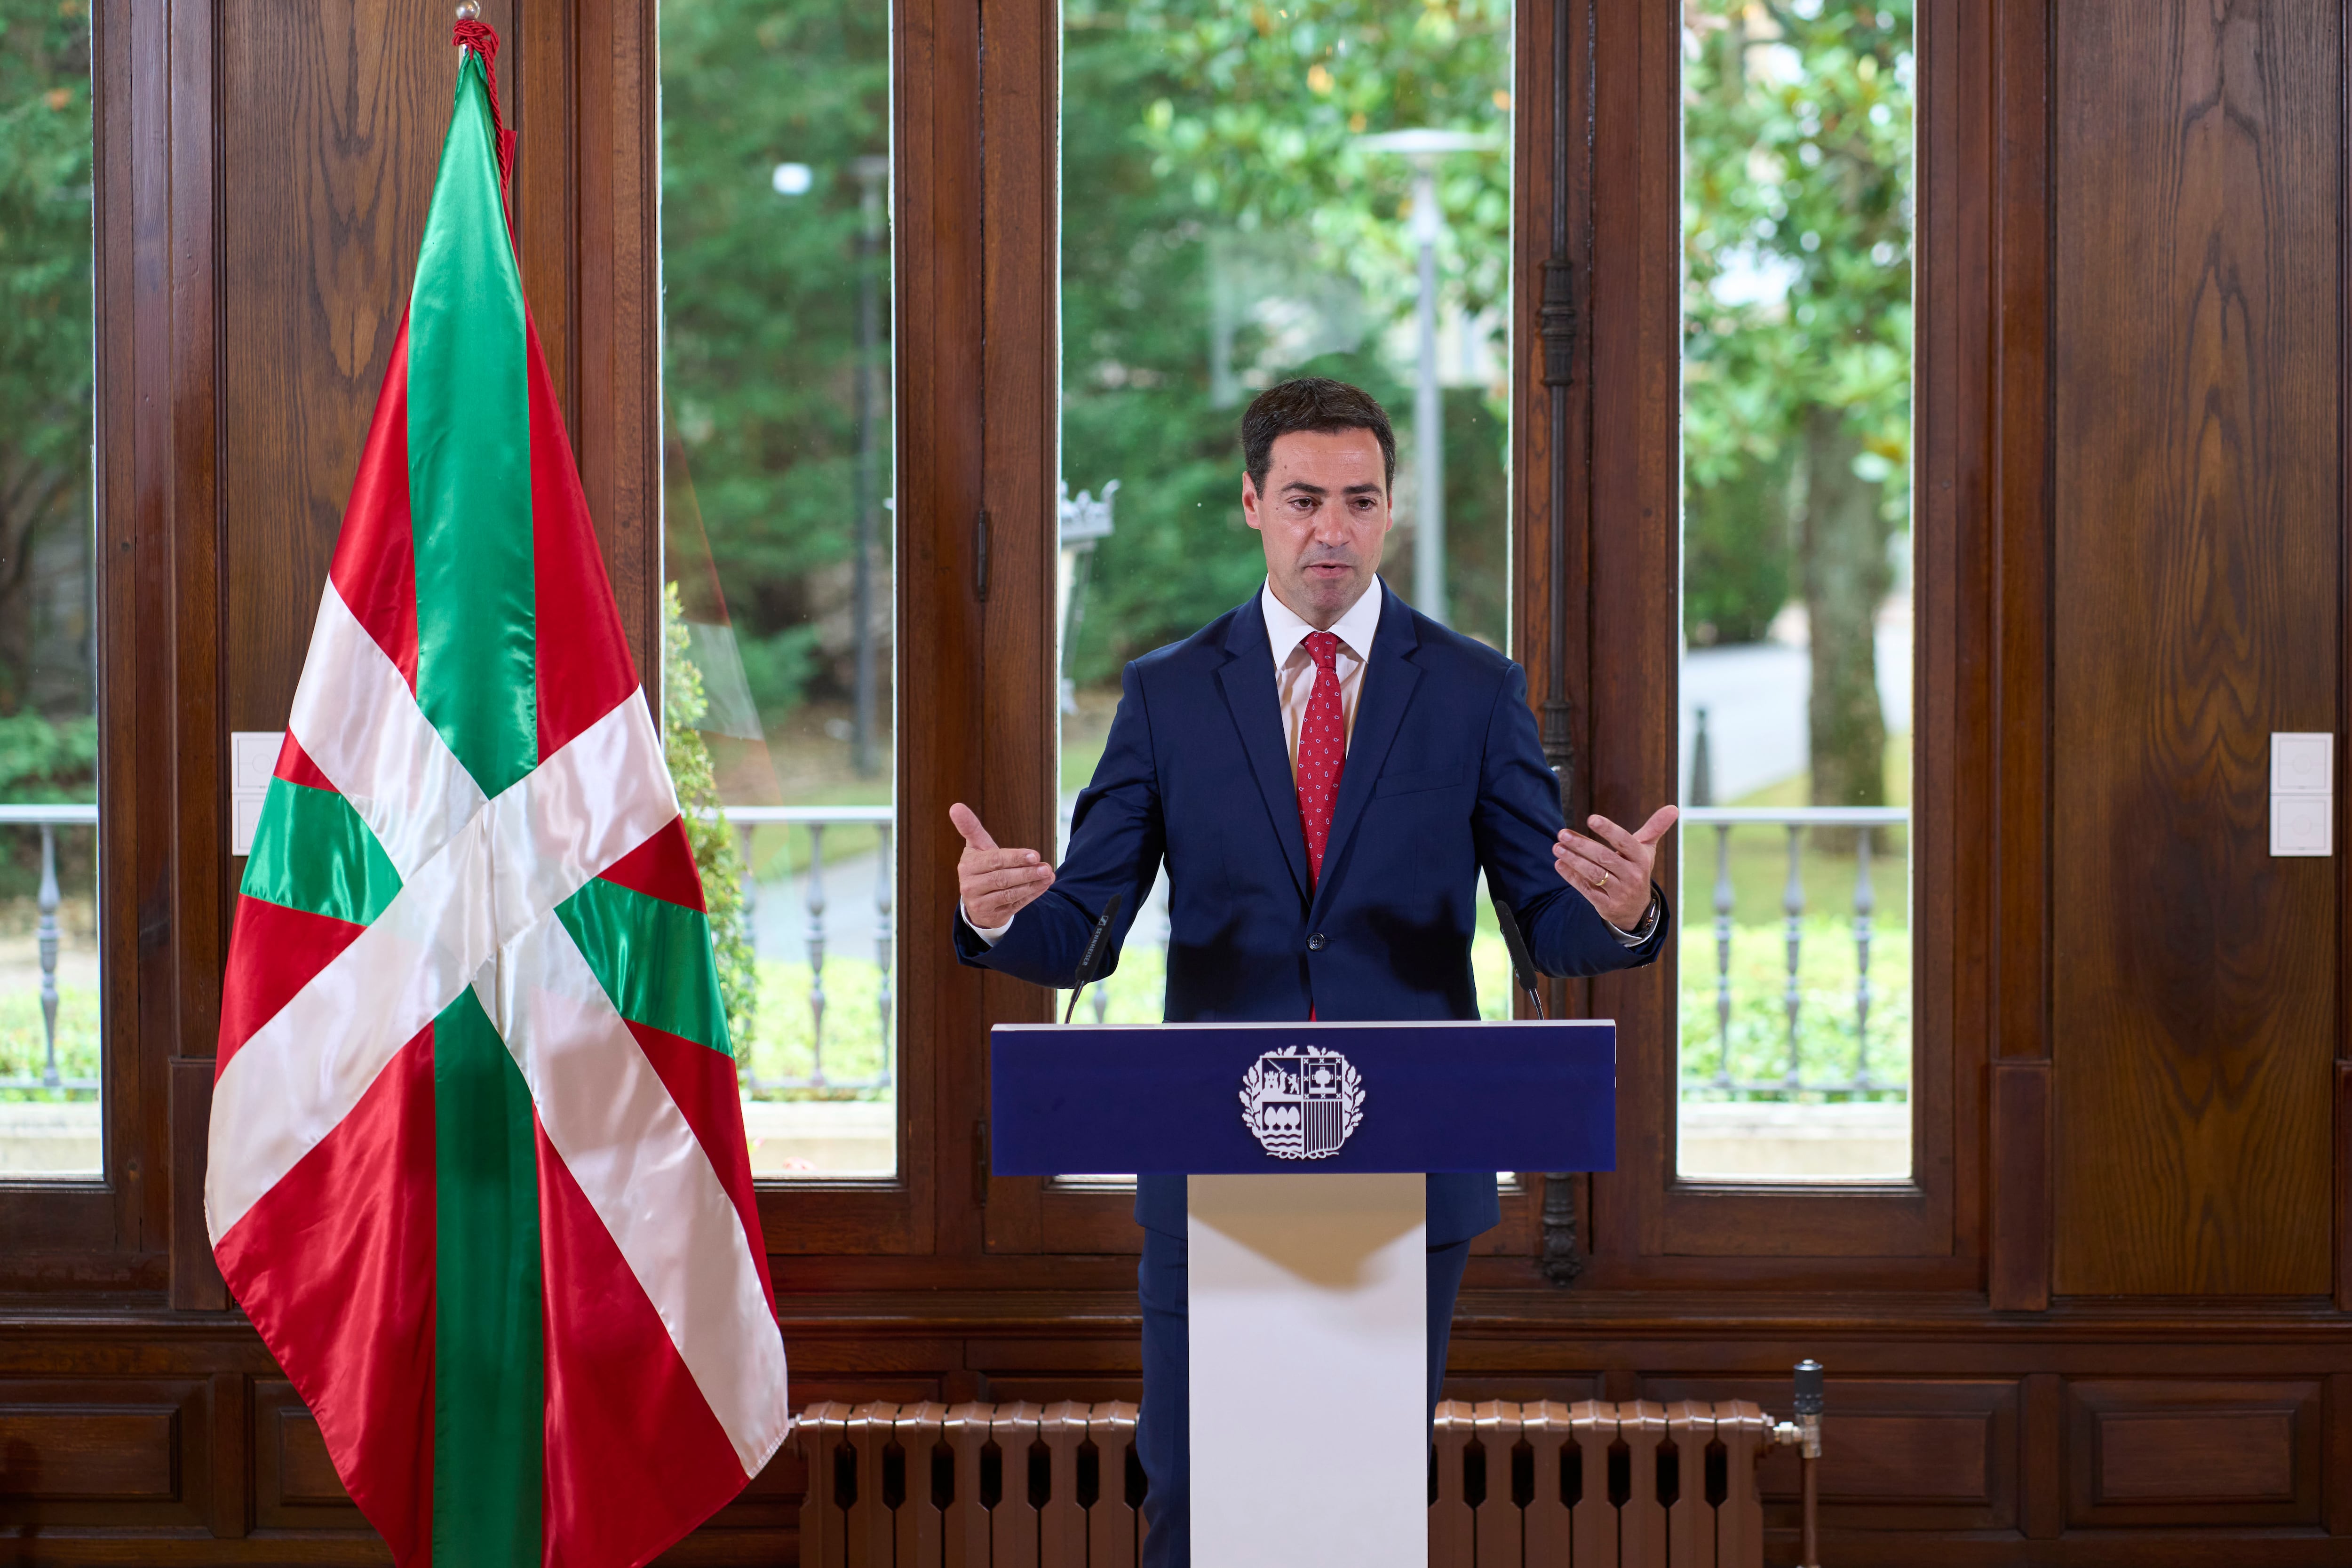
(1754, 695)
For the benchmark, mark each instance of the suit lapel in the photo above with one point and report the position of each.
(1246, 680)
(1390, 676)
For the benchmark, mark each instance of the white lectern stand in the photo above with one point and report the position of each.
(1306, 1146)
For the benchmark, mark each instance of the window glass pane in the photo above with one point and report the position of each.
(1796, 671)
(49, 1036)
(776, 263)
(1240, 205)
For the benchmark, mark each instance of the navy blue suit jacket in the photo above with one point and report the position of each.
(1443, 775)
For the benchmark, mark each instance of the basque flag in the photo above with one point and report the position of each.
(477, 1167)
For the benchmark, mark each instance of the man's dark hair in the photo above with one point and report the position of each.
(1318, 403)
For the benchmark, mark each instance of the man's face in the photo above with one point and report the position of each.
(1323, 516)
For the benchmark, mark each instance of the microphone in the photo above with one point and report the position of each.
(1523, 967)
(1096, 946)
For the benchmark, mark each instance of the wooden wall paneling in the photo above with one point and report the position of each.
(2044, 1446)
(2019, 1267)
(539, 75)
(88, 1235)
(294, 1485)
(230, 1503)
(2335, 1478)
(103, 1451)
(1552, 206)
(1653, 1228)
(617, 128)
(2343, 1243)
(2197, 563)
(2018, 636)
(1627, 740)
(1899, 1455)
(1020, 189)
(199, 793)
(2166, 1451)
(937, 338)
(2014, 627)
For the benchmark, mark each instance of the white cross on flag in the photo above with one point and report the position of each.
(477, 1167)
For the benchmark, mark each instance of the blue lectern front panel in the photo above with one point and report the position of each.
(1244, 1099)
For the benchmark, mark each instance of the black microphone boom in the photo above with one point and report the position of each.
(1096, 946)
(1523, 967)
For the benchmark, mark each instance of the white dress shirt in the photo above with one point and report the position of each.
(1294, 683)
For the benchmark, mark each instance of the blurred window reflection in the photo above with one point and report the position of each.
(776, 269)
(1796, 672)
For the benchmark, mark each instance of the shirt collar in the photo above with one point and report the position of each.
(1285, 631)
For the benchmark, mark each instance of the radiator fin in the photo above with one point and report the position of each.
(1514, 1485)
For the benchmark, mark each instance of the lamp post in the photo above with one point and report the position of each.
(873, 186)
(1424, 147)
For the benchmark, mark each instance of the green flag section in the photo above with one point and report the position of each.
(469, 462)
(653, 958)
(478, 1171)
(489, 1393)
(311, 852)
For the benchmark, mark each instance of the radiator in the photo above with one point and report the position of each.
(1541, 1485)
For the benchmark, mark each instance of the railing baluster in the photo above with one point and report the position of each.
(815, 902)
(1792, 900)
(1865, 902)
(1722, 947)
(884, 874)
(48, 949)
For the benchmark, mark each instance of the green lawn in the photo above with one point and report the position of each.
(21, 1038)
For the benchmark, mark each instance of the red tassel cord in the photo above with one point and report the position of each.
(483, 39)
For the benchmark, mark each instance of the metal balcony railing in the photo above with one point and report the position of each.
(1796, 821)
(48, 819)
(812, 821)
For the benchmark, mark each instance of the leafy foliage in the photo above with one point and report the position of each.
(45, 344)
(44, 760)
(1797, 133)
(761, 310)
(716, 856)
(1212, 160)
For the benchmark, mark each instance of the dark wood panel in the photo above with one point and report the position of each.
(89, 1454)
(2153, 1452)
(306, 1474)
(79, 1449)
(327, 154)
(1897, 1454)
(2019, 1271)
(2197, 558)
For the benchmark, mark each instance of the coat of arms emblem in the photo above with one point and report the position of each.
(1302, 1101)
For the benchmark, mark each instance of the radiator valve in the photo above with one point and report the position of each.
(1804, 1434)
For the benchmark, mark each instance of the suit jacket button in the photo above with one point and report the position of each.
(1314, 942)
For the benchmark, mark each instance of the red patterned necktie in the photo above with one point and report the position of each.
(1322, 750)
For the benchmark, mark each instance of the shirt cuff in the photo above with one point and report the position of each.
(991, 935)
(1634, 938)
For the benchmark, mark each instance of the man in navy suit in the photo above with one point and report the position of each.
(1324, 773)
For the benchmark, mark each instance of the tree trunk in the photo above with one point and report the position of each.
(1846, 578)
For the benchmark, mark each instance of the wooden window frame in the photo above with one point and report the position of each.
(1979, 749)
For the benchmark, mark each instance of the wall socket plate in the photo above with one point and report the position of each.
(2303, 793)
(252, 759)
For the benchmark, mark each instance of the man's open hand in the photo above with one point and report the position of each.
(1611, 869)
(994, 883)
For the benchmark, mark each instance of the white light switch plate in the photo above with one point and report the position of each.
(2303, 825)
(2303, 762)
(252, 758)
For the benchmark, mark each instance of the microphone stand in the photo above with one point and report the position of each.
(1096, 946)
(1523, 966)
